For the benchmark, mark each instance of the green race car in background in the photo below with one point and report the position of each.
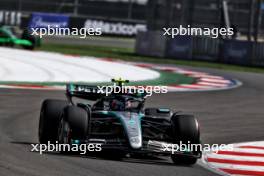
(9, 37)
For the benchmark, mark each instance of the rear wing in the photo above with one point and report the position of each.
(84, 91)
(95, 92)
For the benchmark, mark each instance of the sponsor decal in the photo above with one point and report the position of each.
(115, 28)
(45, 20)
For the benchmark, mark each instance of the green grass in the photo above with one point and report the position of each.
(128, 54)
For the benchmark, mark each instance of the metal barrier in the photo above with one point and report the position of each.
(258, 54)
(237, 52)
(179, 47)
(151, 44)
(206, 48)
(201, 48)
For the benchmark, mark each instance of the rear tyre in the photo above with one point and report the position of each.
(49, 119)
(185, 128)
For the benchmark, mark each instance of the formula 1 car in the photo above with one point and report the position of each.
(119, 122)
(8, 37)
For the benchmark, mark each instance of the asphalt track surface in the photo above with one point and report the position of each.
(228, 116)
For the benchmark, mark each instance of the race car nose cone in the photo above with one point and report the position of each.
(132, 125)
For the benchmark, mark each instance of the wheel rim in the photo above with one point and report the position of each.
(64, 132)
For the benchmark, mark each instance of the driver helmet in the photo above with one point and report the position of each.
(117, 105)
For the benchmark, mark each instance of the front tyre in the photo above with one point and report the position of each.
(50, 113)
(74, 124)
(185, 129)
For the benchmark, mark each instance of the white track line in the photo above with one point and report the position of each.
(27, 66)
(213, 80)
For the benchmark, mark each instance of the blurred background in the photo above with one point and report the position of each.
(135, 26)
